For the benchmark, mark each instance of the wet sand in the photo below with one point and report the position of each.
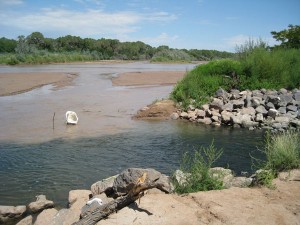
(148, 78)
(16, 83)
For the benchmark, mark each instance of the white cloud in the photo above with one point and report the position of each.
(82, 23)
(237, 40)
(11, 2)
(161, 39)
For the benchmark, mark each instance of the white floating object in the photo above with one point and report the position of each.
(71, 117)
(98, 200)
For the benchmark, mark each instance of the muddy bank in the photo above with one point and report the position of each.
(16, 83)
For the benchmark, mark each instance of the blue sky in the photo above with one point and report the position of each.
(199, 24)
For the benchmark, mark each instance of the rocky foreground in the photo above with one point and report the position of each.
(238, 204)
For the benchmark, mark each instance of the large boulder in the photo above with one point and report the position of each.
(206, 121)
(100, 186)
(225, 116)
(241, 182)
(293, 175)
(273, 98)
(296, 95)
(221, 93)
(256, 101)
(292, 108)
(28, 220)
(11, 213)
(238, 104)
(46, 217)
(273, 113)
(259, 117)
(77, 200)
(174, 116)
(261, 109)
(228, 107)
(128, 178)
(216, 104)
(200, 113)
(184, 115)
(248, 111)
(40, 204)
(222, 174)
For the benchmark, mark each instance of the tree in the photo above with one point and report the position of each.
(36, 39)
(7, 45)
(289, 38)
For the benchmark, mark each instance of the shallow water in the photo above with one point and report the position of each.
(37, 159)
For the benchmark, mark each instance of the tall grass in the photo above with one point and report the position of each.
(282, 151)
(196, 169)
(271, 69)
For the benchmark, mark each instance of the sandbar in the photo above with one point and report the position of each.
(148, 78)
(16, 83)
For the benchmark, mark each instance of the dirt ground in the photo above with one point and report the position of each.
(16, 83)
(234, 206)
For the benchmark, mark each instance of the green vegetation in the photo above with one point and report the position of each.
(196, 168)
(282, 152)
(256, 66)
(289, 38)
(168, 55)
(37, 49)
(203, 81)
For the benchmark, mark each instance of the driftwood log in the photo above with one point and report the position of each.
(98, 213)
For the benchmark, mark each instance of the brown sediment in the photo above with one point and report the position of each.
(16, 83)
(160, 110)
(148, 78)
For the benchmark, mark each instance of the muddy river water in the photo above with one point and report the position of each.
(39, 156)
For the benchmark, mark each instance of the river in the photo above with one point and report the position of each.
(37, 159)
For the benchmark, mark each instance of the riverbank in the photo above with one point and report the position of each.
(236, 205)
(17, 83)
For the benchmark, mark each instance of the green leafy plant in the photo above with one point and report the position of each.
(282, 152)
(196, 169)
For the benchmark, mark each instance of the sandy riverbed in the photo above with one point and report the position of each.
(148, 78)
(16, 83)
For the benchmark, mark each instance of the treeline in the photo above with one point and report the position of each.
(35, 48)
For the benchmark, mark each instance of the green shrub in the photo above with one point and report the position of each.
(203, 81)
(272, 69)
(171, 55)
(196, 167)
(282, 151)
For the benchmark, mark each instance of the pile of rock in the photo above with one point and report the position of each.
(41, 212)
(278, 110)
(10, 214)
